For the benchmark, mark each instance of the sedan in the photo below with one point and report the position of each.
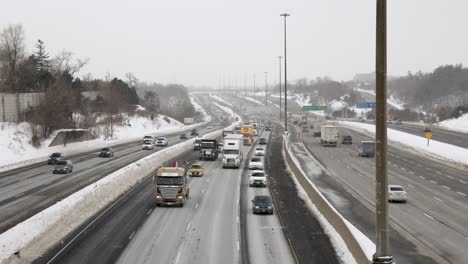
(262, 204)
(63, 166)
(54, 158)
(106, 152)
(396, 193)
(255, 164)
(259, 152)
(148, 146)
(262, 141)
(161, 142)
(183, 136)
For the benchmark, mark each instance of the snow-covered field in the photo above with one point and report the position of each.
(252, 100)
(457, 124)
(391, 101)
(435, 149)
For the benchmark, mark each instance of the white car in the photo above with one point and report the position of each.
(148, 138)
(161, 142)
(255, 164)
(258, 179)
(396, 193)
(255, 132)
(148, 145)
(259, 152)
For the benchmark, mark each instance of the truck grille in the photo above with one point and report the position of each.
(169, 192)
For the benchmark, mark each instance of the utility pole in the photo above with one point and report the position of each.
(254, 87)
(281, 103)
(245, 90)
(285, 15)
(382, 254)
(266, 88)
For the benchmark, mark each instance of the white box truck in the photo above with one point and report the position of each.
(329, 136)
(232, 152)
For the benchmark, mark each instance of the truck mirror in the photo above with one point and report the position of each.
(153, 179)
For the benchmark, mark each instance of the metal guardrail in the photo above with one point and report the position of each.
(325, 208)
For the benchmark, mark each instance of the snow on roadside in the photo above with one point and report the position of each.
(200, 109)
(391, 101)
(34, 236)
(435, 149)
(457, 124)
(220, 99)
(252, 100)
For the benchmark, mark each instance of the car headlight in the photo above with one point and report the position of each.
(269, 207)
(256, 207)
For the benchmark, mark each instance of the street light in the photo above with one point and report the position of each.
(382, 253)
(254, 87)
(285, 78)
(266, 86)
(279, 58)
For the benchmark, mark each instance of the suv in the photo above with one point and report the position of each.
(396, 193)
(183, 136)
(258, 178)
(194, 132)
(106, 152)
(255, 164)
(347, 140)
(262, 204)
(63, 166)
(148, 138)
(147, 145)
(54, 158)
(262, 141)
(259, 152)
(161, 141)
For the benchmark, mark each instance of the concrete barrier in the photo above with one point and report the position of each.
(325, 208)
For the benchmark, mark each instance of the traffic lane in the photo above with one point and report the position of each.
(410, 218)
(205, 231)
(266, 240)
(352, 195)
(438, 134)
(33, 196)
(106, 238)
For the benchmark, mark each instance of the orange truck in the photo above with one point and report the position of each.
(247, 132)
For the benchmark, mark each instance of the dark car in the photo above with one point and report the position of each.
(262, 141)
(194, 132)
(63, 166)
(54, 158)
(426, 129)
(262, 204)
(347, 140)
(183, 136)
(267, 128)
(106, 152)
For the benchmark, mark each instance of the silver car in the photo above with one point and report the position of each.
(396, 193)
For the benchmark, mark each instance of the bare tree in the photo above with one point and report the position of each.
(11, 53)
(131, 79)
(64, 62)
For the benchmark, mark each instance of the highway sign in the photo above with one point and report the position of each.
(366, 105)
(314, 108)
(428, 135)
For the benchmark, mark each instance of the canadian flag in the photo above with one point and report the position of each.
(174, 164)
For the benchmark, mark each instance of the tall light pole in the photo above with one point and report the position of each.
(245, 90)
(266, 87)
(285, 78)
(279, 58)
(254, 87)
(382, 254)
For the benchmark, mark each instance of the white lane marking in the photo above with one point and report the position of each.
(450, 177)
(411, 186)
(389, 162)
(394, 165)
(438, 172)
(412, 162)
(429, 169)
(419, 165)
(131, 235)
(437, 199)
(238, 219)
(429, 216)
(177, 258)
(422, 177)
(461, 193)
(149, 212)
(196, 206)
(203, 190)
(188, 227)
(411, 172)
(19, 194)
(462, 181)
(446, 187)
(238, 245)
(434, 182)
(403, 168)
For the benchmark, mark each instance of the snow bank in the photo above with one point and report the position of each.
(391, 101)
(200, 109)
(457, 124)
(435, 149)
(252, 100)
(220, 99)
(34, 236)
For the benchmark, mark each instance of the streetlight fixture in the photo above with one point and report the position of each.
(280, 112)
(254, 86)
(266, 87)
(382, 254)
(285, 78)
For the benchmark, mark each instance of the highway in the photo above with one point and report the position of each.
(28, 190)
(430, 228)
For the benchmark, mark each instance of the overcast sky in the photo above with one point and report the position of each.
(202, 42)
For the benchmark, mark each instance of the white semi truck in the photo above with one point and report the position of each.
(232, 152)
(329, 136)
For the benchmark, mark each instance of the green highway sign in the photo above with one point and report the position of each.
(314, 108)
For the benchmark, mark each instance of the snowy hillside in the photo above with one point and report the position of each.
(458, 124)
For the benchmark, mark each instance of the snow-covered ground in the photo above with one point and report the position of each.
(220, 99)
(457, 124)
(391, 101)
(252, 100)
(37, 234)
(17, 151)
(435, 149)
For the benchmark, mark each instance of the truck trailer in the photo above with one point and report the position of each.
(329, 136)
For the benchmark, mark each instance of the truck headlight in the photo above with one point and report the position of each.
(179, 197)
(158, 196)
